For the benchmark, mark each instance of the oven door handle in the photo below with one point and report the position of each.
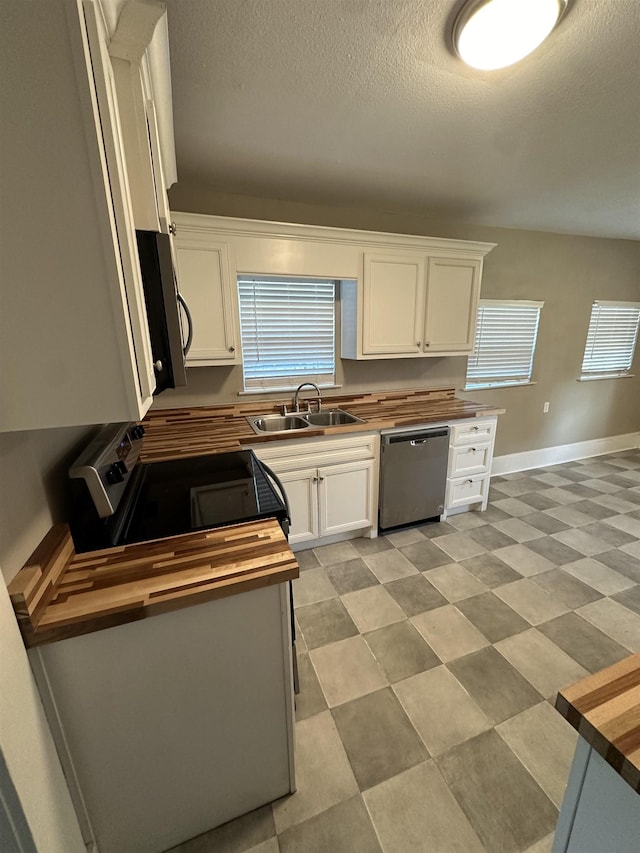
(281, 489)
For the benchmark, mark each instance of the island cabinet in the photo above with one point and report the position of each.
(409, 304)
(331, 484)
(74, 336)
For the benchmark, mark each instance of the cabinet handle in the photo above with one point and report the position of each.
(232, 349)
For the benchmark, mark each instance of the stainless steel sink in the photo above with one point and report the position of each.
(277, 423)
(331, 417)
(291, 423)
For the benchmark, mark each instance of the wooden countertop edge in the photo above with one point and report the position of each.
(36, 585)
(605, 696)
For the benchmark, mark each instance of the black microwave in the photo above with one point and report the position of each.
(170, 330)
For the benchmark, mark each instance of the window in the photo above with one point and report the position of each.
(611, 339)
(506, 335)
(288, 331)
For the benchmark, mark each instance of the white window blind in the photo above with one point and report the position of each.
(288, 331)
(506, 335)
(611, 339)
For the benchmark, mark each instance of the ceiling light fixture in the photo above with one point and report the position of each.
(490, 34)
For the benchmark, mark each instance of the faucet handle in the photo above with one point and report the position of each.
(284, 410)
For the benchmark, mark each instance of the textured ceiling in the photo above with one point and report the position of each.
(361, 102)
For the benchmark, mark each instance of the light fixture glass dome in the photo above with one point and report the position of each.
(492, 34)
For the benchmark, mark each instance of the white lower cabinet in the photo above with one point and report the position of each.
(331, 484)
(470, 455)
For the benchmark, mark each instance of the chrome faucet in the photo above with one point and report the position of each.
(296, 403)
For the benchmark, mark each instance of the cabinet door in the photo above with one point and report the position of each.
(209, 288)
(393, 303)
(302, 493)
(345, 497)
(453, 290)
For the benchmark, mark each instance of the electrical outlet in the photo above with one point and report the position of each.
(545, 408)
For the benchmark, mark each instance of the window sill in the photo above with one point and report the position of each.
(605, 376)
(495, 386)
(280, 391)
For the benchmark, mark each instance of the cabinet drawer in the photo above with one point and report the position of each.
(469, 432)
(466, 490)
(469, 459)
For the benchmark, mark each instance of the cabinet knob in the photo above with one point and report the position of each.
(427, 344)
(419, 344)
(314, 479)
(469, 481)
(473, 450)
(476, 428)
(172, 228)
(232, 349)
(158, 365)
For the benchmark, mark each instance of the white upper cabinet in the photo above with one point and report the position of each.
(208, 282)
(453, 291)
(74, 337)
(392, 303)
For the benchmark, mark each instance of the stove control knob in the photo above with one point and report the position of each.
(121, 466)
(137, 432)
(114, 475)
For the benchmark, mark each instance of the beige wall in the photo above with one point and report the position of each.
(564, 271)
(33, 481)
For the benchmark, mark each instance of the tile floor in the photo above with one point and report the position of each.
(429, 662)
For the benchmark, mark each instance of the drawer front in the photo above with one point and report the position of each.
(469, 432)
(466, 490)
(469, 459)
(293, 455)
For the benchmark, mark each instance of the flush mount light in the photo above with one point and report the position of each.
(490, 34)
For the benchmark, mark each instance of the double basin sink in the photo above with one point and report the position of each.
(290, 423)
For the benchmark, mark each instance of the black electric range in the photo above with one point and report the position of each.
(118, 500)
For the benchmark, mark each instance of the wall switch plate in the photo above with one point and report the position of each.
(545, 408)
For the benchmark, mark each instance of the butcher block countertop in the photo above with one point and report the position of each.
(605, 710)
(60, 594)
(196, 431)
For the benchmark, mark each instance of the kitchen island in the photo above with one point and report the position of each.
(601, 807)
(166, 674)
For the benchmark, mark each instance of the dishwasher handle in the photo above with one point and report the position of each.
(415, 438)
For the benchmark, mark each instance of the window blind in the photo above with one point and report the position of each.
(288, 331)
(611, 339)
(506, 335)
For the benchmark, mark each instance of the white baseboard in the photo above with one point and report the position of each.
(545, 456)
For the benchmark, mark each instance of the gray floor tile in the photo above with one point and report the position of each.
(448, 632)
(515, 506)
(544, 742)
(426, 555)
(390, 565)
(490, 570)
(608, 532)
(310, 700)
(554, 551)
(455, 582)
(325, 622)
(460, 546)
(616, 503)
(593, 510)
(551, 479)
(518, 530)
(566, 588)
(504, 804)
(352, 575)
(344, 828)
(366, 546)
(522, 485)
(525, 561)
(405, 537)
(496, 687)
(323, 774)
(372, 608)
(493, 514)
(491, 536)
(495, 619)
(569, 515)
(629, 598)
(580, 490)
(544, 522)
(346, 670)
(582, 541)
(415, 811)
(615, 620)
(440, 709)
(539, 501)
(313, 585)
(531, 601)
(575, 475)
(583, 642)
(621, 562)
(624, 524)
(591, 571)
(236, 836)
(434, 529)
(464, 521)
(339, 552)
(415, 594)
(378, 737)
(633, 548)
(401, 651)
(542, 663)
(306, 560)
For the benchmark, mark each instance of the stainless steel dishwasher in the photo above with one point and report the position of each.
(413, 476)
